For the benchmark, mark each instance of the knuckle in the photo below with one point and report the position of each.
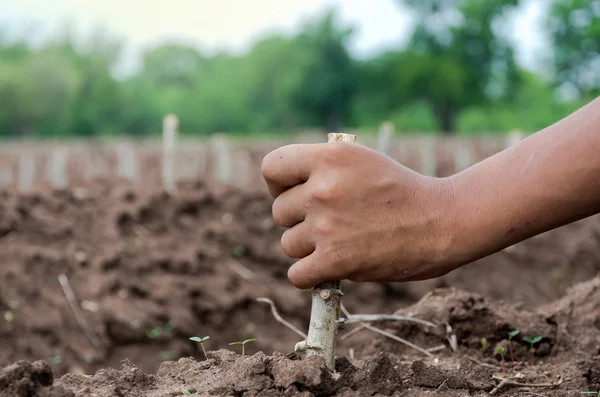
(323, 227)
(324, 191)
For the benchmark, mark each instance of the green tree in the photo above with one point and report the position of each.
(575, 32)
(326, 82)
(456, 58)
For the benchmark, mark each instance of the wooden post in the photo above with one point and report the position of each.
(463, 156)
(384, 138)
(427, 149)
(222, 158)
(170, 125)
(325, 318)
(57, 172)
(126, 162)
(26, 171)
(514, 137)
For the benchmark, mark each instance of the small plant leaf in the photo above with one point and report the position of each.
(185, 391)
(512, 334)
(205, 338)
(500, 350)
(199, 340)
(254, 340)
(236, 343)
(528, 339)
(537, 339)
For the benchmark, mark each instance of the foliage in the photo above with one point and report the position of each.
(457, 73)
(243, 344)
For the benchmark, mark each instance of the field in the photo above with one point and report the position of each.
(150, 269)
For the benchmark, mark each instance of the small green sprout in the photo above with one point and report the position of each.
(532, 341)
(55, 360)
(9, 317)
(597, 393)
(201, 341)
(484, 345)
(154, 333)
(185, 391)
(243, 344)
(500, 351)
(239, 250)
(511, 335)
(135, 324)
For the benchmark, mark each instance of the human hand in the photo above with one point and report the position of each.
(355, 214)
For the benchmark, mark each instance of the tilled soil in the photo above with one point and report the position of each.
(151, 269)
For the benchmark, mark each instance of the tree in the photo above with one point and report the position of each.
(326, 82)
(575, 33)
(456, 58)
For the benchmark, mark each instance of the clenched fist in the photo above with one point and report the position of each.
(355, 214)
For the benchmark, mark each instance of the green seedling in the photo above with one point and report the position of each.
(55, 360)
(185, 391)
(239, 250)
(9, 317)
(484, 346)
(532, 341)
(201, 341)
(243, 344)
(597, 393)
(500, 351)
(511, 335)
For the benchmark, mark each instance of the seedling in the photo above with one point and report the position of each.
(500, 351)
(201, 341)
(511, 335)
(243, 344)
(239, 250)
(532, 341)
(597, 393)
(185, 391)
(484, 346)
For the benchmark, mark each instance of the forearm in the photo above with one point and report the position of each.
(550, 179)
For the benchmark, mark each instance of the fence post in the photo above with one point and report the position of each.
(170, 124)
(427, 149)
(514, 137)
(384, 138)
(463, 156)
(26, 171)
(126, 162)
(222, 160)
(57, 172)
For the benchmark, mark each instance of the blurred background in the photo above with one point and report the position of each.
(105, 68)
(271, 70)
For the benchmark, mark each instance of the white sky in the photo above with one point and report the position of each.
(232, 24)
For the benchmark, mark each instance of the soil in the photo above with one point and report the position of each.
(151, 269)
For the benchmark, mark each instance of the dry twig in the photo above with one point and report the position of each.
(484, 364)
(389, 335)
(76, 309)
(279, 318)
(512, 382)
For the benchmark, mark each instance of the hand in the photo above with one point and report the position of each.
(355, 214)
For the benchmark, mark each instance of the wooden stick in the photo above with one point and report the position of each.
(70, 295)
(325, 313)
(279, 318)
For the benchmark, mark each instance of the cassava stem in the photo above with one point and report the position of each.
(325, 314)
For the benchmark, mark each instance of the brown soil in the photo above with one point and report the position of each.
(152, 269)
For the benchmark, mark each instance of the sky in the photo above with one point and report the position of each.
(234, 24)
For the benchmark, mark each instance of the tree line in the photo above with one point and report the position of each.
(457, 74)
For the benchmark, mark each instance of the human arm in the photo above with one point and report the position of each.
(352, 213)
